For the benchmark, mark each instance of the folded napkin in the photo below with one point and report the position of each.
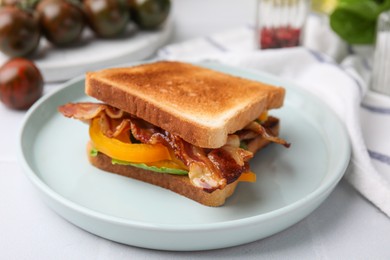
(342, 86)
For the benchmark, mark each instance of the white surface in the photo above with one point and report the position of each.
(345, 226)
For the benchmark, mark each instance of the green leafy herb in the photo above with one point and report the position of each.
(151, 168)
(93, 152)
(355, 20)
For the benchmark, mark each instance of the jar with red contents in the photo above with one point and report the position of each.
(280, 23)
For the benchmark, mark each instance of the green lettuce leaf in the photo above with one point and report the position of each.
(93, 152)
(151, 168)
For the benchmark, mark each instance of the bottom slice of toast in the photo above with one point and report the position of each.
(180, 184)
(177, 183)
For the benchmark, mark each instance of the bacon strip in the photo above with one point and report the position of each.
(231, 161)
(209, 169)
(202, 172)
(259, 129)
(88, 110)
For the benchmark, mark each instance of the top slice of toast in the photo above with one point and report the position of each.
(200, 105)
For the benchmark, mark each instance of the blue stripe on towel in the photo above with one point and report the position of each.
(216, 44)
(379, 110)
(317, 55)
(322, 58)
(366, 64)
(165, 51)
(379, 157)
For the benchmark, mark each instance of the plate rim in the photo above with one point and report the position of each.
(165, 32)
(318, 192)
(147, 43)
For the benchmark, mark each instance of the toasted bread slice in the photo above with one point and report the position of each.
(200, 105)
(176, 183)
(179, 183)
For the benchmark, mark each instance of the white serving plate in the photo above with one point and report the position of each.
(291, 182)
(91, 53)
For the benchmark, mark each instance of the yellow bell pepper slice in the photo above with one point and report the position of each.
(263, 116)
(247, 177)
(129, 152)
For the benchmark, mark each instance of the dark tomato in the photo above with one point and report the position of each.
(10, 2)
(19, 32)
(21, 83)
(107, 18)
(62, 22)
(149, 14)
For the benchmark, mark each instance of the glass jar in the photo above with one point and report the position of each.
(323, 6)
(280, 23)
(380, 80)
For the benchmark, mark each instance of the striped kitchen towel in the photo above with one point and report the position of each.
(331, 71)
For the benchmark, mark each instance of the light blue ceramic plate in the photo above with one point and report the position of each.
(291, 182)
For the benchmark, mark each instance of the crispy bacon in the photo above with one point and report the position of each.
(209, 169)
(202, 172)
(231, 161)
(88, 110)
(259, 129)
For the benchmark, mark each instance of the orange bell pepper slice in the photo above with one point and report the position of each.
(117, 149)
(247, 177)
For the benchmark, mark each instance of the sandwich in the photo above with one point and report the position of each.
(180, 126)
